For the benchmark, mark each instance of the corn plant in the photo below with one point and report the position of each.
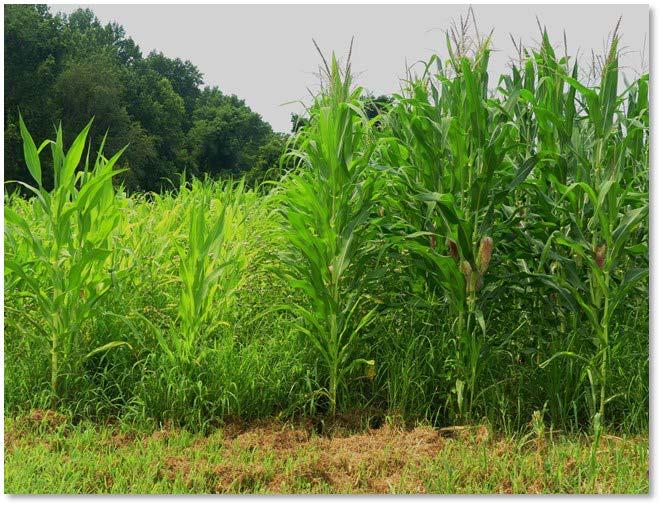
(326, 206)
(510, 224)
(600, 211)
(543, 110)
(211, 267)
(66, 266)
(450, 153)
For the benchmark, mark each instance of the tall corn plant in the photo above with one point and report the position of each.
(326, 204)
(67, 265)
(601, 210)
(450, 154)
(543, 109)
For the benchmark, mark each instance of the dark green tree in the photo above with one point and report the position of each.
(226, 135)
(68, 68)
(184, 77)
(34, 51)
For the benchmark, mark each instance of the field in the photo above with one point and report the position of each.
(467, 257)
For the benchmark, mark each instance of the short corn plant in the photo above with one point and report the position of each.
(210, 268)
(67, 265)
(326, 205)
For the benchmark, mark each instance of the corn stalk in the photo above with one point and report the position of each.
(211, 267)
(449, 157)
(68, 264)
(326, 206)
(599, 212)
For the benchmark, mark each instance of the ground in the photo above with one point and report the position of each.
(45, 453)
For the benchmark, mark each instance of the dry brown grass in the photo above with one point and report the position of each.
(276, 457)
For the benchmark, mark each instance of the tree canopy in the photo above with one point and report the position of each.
(70, 68)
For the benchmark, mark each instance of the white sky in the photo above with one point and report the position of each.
(264, 53)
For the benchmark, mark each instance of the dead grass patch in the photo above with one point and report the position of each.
(292, 457)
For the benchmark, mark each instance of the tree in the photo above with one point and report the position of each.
(34, 48)
(160, 110)
(68, 68)
(226, 135)
(375, 106)
(86, 34)
(91, 88)
(267, 162)
(184, 77)
(298, 122)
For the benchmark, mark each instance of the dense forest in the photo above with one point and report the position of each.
(70, 68)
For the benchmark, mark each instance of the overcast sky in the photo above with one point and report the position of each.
(264, 53)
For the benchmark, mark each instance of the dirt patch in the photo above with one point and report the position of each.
(375, 460)
(39, 419)
(475, 434)
(288, 457)
(166, 431)
(37, 427)
(274, 436)
(239, 478)
(176, 466)
(371, 461)
(11, 440)
(119, 439)
(506, 486)
(273, 456)
(423, 441)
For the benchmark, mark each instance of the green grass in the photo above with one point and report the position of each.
(45, 454)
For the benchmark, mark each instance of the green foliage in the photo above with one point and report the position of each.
(449, 153)
(70, 68)
(214, 262)
(327, 205)
(597, 213)
(226, 136)
(463, 254)
(68, 265)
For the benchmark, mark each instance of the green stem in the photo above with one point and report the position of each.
(605, 356)
(333, 388)
(54, 369)
(471, 346)
(459, 351)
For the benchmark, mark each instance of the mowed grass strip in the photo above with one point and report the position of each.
(46, 454)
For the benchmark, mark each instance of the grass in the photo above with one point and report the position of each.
(47, 454)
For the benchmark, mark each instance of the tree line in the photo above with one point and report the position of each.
(69, 68)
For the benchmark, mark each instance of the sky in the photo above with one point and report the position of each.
(265, 55)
